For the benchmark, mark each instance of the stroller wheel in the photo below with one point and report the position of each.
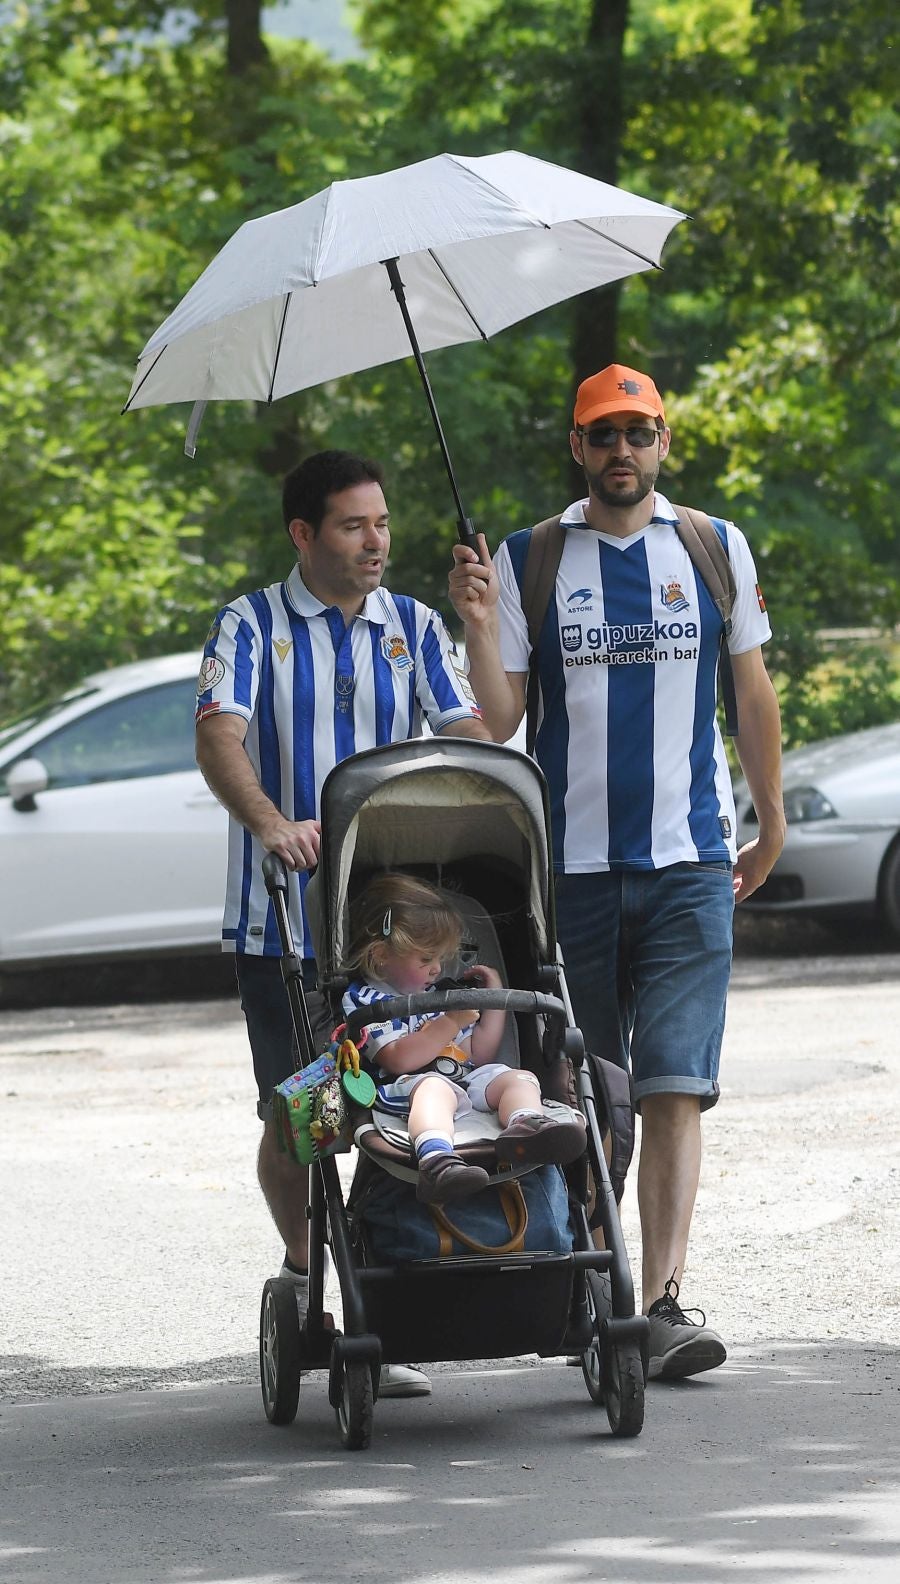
(622, 1371)
(599, 1298)
(356, 1408)
(279, 1351)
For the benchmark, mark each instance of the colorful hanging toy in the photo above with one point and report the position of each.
(310, 1108)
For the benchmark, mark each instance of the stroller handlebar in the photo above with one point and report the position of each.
(456, 1000)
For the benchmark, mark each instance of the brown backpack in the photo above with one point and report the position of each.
(710, 559)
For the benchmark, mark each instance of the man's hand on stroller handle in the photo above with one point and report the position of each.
(295, 841)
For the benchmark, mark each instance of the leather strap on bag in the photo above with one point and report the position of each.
(512, 1202)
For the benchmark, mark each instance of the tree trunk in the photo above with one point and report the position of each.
(596, 313)
(247, 61)
(246, 47)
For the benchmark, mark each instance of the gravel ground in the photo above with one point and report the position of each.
(136, 1241)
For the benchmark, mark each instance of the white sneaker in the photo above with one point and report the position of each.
(403, 1380)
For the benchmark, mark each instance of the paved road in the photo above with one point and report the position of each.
(135, 1242)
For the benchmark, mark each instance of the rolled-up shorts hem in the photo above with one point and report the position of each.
(707, 1090)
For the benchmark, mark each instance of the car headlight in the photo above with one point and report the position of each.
(807, 803)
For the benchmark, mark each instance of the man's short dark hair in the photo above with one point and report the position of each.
(306, 489)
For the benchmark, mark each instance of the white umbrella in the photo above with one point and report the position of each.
(314, 291)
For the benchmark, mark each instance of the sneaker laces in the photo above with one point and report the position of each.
(668, 1308)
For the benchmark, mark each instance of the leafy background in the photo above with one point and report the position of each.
(135, 139)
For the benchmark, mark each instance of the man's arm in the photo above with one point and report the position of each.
(467, 727)
(758, 745)
(474, 592)
(230, 775)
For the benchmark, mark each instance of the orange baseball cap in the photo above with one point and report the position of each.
(617, 389)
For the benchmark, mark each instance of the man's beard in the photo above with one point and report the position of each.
(644, 480)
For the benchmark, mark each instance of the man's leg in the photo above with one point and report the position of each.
(285, 1186)
(668, 1176)
(679, 928)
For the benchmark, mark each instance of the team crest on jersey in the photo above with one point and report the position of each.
(211, 674)
(672, 596)
(394, 649)
(571, 636)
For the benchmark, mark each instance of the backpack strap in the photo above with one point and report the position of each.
(545, 549)
(710, 558)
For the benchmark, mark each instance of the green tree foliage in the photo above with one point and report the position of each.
(131, 155)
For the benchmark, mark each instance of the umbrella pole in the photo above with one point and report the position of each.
(465, 525)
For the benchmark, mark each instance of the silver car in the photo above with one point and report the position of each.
(842, 851)
(111, 844)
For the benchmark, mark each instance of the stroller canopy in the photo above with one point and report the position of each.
(434, 800)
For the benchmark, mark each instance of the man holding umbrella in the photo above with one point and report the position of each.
(296, 677)
(641, 805)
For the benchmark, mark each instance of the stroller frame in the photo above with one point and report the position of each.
(550, 1304)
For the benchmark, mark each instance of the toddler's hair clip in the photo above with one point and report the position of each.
(386, 925)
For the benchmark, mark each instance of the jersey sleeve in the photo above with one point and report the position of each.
(749, 622)
(229, 672)
(442, 687)
(359, 996)
(515, 647)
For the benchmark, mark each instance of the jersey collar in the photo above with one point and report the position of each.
(663, 513)
(306, 604)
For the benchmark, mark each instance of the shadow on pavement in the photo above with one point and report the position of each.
(106, 984)
(758, 936)
(212, 977)
(784, 1464)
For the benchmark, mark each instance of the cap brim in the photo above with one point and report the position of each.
(603, 410)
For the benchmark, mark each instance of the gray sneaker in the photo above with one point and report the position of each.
(680, 1346)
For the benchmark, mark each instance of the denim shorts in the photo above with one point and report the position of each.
(647, 958)
(270, 1027)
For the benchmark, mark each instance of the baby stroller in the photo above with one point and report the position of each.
(473, 819)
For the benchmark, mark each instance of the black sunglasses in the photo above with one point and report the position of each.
(602, 436)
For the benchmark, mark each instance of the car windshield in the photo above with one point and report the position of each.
(23, 723)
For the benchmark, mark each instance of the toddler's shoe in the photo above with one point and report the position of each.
(539, 1139)
(444, 1176)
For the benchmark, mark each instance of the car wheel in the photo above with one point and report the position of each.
(889, 888)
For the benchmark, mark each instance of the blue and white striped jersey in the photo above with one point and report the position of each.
(314, 691)
(362, 993)
(627, 660)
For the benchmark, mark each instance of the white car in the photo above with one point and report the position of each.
(110, 841)
(842, 851)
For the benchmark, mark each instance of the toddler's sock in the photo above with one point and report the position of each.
(524, 1111)
(433, 1142)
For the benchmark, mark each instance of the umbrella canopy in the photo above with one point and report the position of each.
(303, 295)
